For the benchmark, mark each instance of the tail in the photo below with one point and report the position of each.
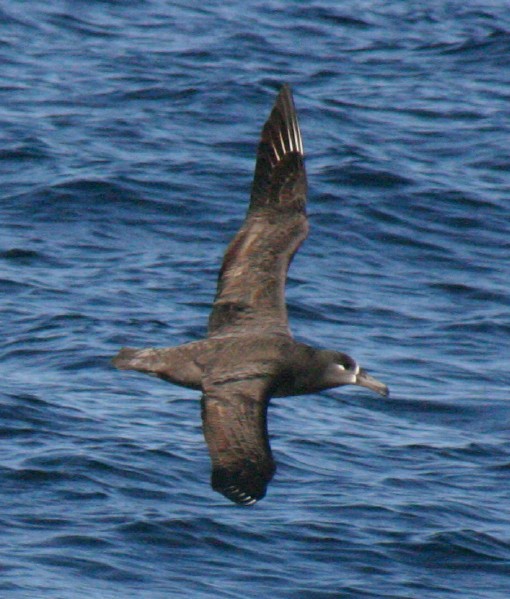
(173, 364)
(130, 358)
(151, 360)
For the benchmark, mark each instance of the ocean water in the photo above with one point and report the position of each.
(127, 142)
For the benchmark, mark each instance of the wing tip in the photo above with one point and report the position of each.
(280, 178)
(238, 496)
(282, 126)
(239, 487)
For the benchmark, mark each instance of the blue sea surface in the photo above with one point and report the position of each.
(128, 133)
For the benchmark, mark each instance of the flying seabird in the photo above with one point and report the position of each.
(249, 354)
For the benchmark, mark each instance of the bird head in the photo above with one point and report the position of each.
(341, 369)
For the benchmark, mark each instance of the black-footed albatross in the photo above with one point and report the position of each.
(249, 354)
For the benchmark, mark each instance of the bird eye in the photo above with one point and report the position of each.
(346, 366)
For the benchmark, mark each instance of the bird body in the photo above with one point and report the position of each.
(249, 354)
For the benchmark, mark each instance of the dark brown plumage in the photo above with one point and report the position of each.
(249, 354)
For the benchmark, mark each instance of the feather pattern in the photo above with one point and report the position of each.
(251, 284)
(234, 417)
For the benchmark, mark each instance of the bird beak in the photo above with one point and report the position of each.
(365, 380)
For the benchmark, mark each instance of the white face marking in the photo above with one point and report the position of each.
(350, 376)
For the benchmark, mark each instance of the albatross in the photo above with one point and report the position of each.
(249, 354)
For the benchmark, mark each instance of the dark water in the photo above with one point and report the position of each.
(127, 140)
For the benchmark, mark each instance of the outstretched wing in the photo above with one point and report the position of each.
(234, 417)
(251, 285)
